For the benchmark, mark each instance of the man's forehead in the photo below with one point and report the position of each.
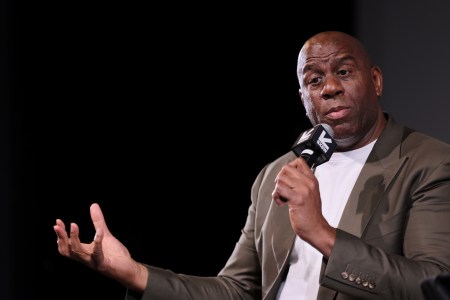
(330, 46)
(325, 56)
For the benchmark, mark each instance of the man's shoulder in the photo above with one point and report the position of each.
(417, 141)
(412, 141)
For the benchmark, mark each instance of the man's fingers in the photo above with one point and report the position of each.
(60, 223)
(97, 253)
(60, 230)
(96, 213)
(98, 219)
(62, 238)
(74, 232)
(299, 163)
(69, 243)
(98, 236)
(75, 247)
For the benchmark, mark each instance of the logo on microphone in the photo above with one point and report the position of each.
(305, 135)
(323, 142)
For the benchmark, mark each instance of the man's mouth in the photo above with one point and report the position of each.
(337, 112)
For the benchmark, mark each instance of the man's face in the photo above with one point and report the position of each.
(339, 87)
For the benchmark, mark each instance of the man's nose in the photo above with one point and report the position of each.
(331, 87)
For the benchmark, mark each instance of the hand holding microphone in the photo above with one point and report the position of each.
(315, 146)
(298, 188)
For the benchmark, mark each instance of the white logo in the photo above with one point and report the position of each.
(305, 135)
(323, 141)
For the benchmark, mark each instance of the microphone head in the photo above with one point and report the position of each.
(315, 145)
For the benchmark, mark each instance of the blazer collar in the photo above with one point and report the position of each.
(380, 168)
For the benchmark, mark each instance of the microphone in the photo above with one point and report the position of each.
(315, 145)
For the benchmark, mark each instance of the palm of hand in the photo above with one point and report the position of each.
(105, 253)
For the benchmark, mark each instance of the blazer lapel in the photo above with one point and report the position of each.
(282, 236)
(375, 177)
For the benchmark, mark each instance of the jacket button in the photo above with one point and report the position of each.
(344, 275)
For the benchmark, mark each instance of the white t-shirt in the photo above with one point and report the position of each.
(336, 180)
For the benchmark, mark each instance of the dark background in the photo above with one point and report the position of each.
(162, 114)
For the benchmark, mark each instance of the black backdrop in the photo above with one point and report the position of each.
(163, 115)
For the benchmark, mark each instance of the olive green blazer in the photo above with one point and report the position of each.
(394, 232)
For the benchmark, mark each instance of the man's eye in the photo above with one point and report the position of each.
(343, 72)
(314, 80)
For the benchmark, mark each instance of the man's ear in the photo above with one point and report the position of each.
(377, 78)
(301, 96)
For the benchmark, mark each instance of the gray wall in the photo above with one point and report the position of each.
(410, 40)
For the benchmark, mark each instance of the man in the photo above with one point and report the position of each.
(371, 223)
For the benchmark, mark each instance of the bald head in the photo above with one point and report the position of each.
(319, 45)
